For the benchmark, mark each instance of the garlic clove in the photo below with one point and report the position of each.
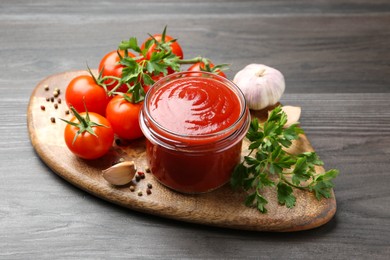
(261, 85)
(293, 114)
(120, 174)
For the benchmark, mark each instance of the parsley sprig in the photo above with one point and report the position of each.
(268, 164)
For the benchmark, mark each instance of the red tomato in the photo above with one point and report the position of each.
(83, 89)
(86, 145)
(176, 49)
(110, 63)
(123, 116)
(197, 67)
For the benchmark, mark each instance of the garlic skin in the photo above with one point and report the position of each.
(120, 174)
(262, 86)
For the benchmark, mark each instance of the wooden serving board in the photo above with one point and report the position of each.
(222, 207)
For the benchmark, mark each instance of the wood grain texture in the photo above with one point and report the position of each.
(319, 47)
(222, 207)
(335, 56)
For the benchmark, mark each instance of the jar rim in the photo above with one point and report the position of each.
(177, 75)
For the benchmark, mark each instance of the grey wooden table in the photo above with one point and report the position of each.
(335, 56)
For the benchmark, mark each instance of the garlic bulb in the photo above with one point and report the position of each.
(262, 86)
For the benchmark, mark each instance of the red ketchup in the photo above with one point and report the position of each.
(194, 125)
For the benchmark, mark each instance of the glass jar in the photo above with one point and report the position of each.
(194, 124)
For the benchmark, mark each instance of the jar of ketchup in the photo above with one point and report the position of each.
(194, 124)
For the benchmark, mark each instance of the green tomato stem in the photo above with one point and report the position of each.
(194, 60)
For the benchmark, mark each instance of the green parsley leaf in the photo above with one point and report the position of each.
(147, 79)
(285, 195)
(130, 44)
(256, 200)
(322, 186)
(240, 173)
(300, 172)
(264, 181)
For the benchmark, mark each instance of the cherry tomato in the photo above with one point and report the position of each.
(86, 145)
(197, 67)
(110, 63)
(176, 49)
(123, 116)
(83, 89)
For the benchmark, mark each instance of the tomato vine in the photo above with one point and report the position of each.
(158, 56)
